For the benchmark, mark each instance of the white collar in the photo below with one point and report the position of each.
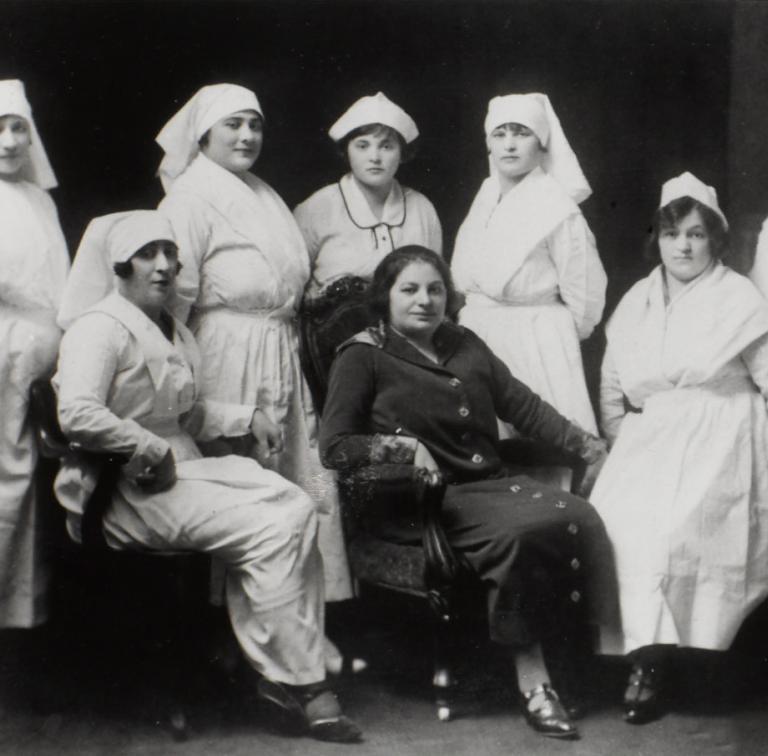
(359, 210)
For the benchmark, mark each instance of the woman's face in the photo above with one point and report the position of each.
(154, 273)
(515, 151)
(234, 142)
(374, 159)
(686, 248)
(15, 139)
(417, 301)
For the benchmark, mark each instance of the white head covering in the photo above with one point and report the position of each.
(13, 101)
(180, 136)
(536, 112)
(687, 185)
(376, 108)
(108, 239)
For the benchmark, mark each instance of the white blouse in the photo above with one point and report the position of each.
(344, 237)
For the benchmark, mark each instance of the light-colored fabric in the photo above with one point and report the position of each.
(684, 492)
(759, 273)
(372, 109)
(123, 387)
(107, 240)
(13, 101)
(245, 268)
(687, 185)
(534, 285)
(33, 268)
(344, 237)
(536, 112)
(179, 137)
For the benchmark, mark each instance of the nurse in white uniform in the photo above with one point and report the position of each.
(350, 226)
(33, 267)
(526, 259)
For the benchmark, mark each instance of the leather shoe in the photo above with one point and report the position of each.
(545, 713)
(310, 710)
(643, 695)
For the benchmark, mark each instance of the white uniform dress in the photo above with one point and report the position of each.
(245, 268)
(33, 268)
(684, 492)
(123, 387)
(534, 285)
(344, 237)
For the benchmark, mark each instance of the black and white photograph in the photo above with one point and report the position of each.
(384, 376)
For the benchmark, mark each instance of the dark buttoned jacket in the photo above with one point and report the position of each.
(382, 386)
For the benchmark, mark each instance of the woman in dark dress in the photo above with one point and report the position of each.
(420, 389)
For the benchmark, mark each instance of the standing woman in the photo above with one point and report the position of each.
(245, 266)
(526, 258)
(684, 493)
(33, 267)
(350, 226)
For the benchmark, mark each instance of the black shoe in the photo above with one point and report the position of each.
(310, 710)
(643, 696)
(549, 716)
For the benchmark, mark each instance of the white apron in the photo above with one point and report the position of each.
(684, 493)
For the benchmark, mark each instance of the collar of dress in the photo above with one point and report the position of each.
(359, 211)
(448, 338)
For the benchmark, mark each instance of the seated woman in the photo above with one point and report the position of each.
(126, 384)
(420, 389)
(351, 225)
(684, 490)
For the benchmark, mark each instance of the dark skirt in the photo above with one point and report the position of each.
(542, 554)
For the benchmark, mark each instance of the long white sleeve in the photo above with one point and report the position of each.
(612, 409)
(581, 277)
(93, 352)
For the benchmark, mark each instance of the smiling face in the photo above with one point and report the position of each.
(685, 248)
(374, 158)
(234, 142)
(151, 282)
(417, 301)
(15, 140)
(515, 151)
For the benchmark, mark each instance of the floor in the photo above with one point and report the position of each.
(90, 682)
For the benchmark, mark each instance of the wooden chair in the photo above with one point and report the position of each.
(431, 571)
(184, 573)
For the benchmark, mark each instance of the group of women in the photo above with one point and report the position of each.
(672, 549)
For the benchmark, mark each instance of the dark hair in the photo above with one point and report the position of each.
(393, 265)
(125, 269)
(670, 216)
(407, 151)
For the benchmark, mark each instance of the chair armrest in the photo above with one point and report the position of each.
(375, 485)
(50, 439)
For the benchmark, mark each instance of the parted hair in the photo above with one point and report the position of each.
(394, 264)
(671, 214)
(407, 151)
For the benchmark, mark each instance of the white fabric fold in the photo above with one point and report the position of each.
(13, 101)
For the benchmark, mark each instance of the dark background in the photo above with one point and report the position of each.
(642, 89)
